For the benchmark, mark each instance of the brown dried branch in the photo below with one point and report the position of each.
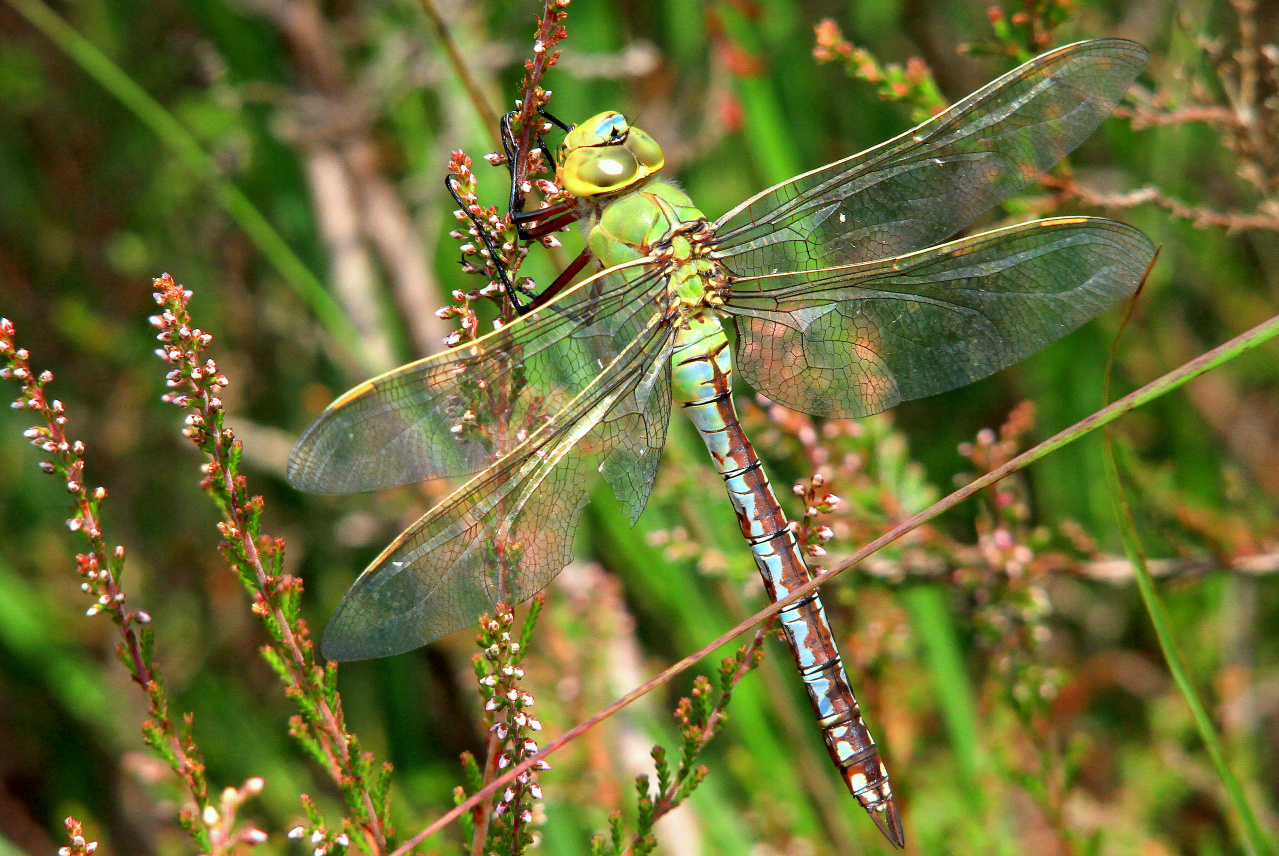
(463, 70)
(360, 212)
(1144, 116)
(1266, 217)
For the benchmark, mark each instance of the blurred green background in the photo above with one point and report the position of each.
(1017, 692)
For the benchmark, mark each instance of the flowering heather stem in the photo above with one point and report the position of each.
(505, 824)
(489, 238)
(550, 32)
(78, 846)
(211, 826)
(258, 560)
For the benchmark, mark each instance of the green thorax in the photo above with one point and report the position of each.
(630, 225)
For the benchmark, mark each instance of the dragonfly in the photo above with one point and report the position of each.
(845, 299)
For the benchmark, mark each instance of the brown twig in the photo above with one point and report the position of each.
(1202, 216)
(331, 120)
(463, 71)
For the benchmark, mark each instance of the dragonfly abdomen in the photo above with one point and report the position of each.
(702, 384)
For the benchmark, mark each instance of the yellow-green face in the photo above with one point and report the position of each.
(605, 155)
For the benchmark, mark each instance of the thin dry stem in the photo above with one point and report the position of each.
(463, 71)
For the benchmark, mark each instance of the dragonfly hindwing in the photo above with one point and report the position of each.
(851, 341)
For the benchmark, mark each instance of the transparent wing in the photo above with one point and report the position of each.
(505, 534)
(928, 183)
(851, 341)
(455, 413)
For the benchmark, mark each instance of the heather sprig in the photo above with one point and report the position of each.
(1021, 33)
(78, 846)
(211, 825)
(700, 715)
(507, 823)
(817, 500)
(912, 84)
(486, 231)
(1006, 572)
(322, 840)
(195, 383)
(533, 98)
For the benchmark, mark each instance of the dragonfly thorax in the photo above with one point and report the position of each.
(659, 222)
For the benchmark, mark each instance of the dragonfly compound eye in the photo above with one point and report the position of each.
(601, 129)
(646, 150)
(606, 155)
(599, 169)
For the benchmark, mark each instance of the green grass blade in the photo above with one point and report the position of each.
(232, 200)
(1255, 841)
(771, 148)
(932, 624)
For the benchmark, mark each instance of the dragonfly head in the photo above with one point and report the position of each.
(606, 155)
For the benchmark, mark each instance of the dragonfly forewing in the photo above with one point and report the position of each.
(504, 535)
(852, 341)
(457, 412)
(928, 183)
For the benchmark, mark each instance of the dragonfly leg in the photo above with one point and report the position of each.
(512, 291)
(561, 282)
(516, 204)
(529, 225)
(533, 224)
